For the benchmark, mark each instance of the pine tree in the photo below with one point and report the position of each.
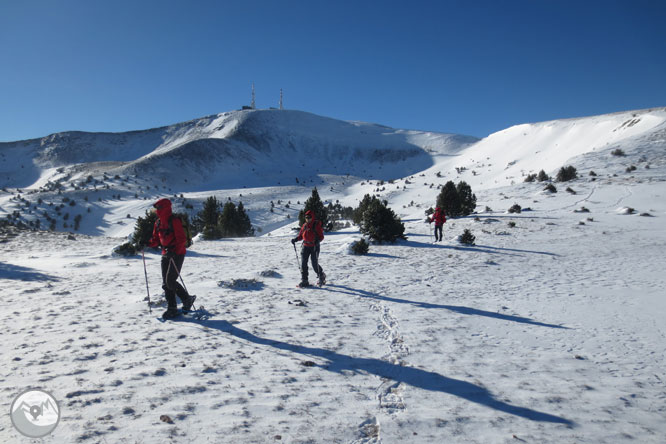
(315, 205)
(228, 224)
(457, 201)
(357, 216)
(466, 197)
(449, 201)
(244, 225)
(381, 223)
(143, 229)
(207, 220)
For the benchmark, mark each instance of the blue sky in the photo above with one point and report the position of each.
(466, 67)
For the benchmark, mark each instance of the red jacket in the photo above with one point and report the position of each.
(168, 231)
(311, 233)
(439, 217)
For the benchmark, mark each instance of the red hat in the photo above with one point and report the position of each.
(162, 203)
(309, 213)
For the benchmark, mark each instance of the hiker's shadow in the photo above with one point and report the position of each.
(427, 305)
(415, 377)
(19, 273)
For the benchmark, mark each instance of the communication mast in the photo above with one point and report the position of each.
(253, 104)
(281, 99)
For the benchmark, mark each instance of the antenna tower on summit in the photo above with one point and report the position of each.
(253, 104)
(281, 107)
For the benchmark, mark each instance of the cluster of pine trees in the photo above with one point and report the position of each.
(456, 200)
(216, 221)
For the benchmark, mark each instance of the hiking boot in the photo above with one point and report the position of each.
(170, 313)
(188, 302)
(322, 278)
(304, 284)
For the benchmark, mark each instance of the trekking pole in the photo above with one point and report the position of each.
(181, 278)
(179, 275)
(145, 272)
(297, 261)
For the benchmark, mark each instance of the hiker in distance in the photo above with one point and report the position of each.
(168, 232)
(311, 234)
(439, 218)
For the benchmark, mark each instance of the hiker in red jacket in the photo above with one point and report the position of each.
(439, 218)
(168, 233)
(311, 234)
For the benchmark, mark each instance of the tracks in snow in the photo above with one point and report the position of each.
(390, 391)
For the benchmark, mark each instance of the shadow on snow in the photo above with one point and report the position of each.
(454, 308)
(415, 377)
(18, 273)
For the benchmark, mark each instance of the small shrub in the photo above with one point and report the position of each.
(566, 174)
(569, 190)
(631, 168)
(126, 249)
(515, 208)
(542, 176)
(360, 247)
(530, 178)
(593, 174)
(512, 224)
(467, 238)
(618, 152)
(550, 188)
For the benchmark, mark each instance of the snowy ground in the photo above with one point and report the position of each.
(549, 331)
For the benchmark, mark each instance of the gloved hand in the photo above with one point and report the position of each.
(293, 241)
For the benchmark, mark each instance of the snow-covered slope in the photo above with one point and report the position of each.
(253, 148)
(550, 329)
(508, 156)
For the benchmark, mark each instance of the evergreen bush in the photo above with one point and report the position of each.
(566, 174)
(126, 249)
(360, 247)
(143, 229)
(381, 224)
(542, 176)
(467, 238)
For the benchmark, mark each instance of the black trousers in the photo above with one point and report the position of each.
(311, 253)
(171, 266)
(438, 228)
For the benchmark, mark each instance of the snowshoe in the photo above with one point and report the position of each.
(187, 303)
(170, 313)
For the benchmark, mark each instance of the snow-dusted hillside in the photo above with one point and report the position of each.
(255, 148)
(264, 155)
(550, 329)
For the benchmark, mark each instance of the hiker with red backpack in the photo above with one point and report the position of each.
(168, 232)
(439, 218)
(312, 233)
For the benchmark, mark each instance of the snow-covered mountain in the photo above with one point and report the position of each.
(255, 148)
(259, 156)
(550, 329)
